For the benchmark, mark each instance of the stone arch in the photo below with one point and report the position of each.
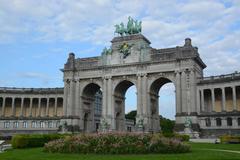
(153, 100)
(88, 106)
(131, 79)
(119, 91)
(154, 78)
(85, 83)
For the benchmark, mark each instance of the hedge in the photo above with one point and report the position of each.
(181, 137)
(33, 140)
(229, 139)
(116, 143)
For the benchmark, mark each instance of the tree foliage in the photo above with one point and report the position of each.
(167, 125)
(131, 115)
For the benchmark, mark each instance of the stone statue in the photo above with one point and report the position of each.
(125, 49)
(104, 125)
(107, 51)
(130, 25)
(133, 27)
(140, 125)
(120, 29)
(188, 123)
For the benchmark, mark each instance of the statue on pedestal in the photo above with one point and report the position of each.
(133, 27)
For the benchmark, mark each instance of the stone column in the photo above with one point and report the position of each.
(47, 107)
(77, 98)
(198, 102)
(30, 107)
(192, 97)
(178, 93)
(234, 98)
(65, 98)
(55, 107)
(13, 106)
(3, 107)
(39, 107)
(202, 100)
(139, 95)
(145, 96)
(148, 120)
(184, 92)
(104, 98)
(223, 99)
(110, 104)
(213, 99)
(70, 104)
(22, 102)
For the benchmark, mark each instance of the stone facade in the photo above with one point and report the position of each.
(212, 104)
(28, 110)
(146, 68)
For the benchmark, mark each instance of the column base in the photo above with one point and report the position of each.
(181, 123)
(148, 124)
(70, 124)
(107, 124)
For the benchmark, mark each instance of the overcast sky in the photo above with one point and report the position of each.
(37, 35)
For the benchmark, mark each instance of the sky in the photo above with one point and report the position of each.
(36, 36)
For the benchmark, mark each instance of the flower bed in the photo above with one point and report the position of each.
(116, 143)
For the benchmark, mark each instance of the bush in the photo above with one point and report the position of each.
(230, 139)
(182, 137)
(166, 145)
(33, 140)
(118, 143)
(167, 125)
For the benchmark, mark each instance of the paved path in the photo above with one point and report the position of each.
(223, 150)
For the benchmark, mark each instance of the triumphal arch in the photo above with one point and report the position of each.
(131, 61)
(93, 95)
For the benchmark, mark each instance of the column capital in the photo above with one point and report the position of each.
(233, 87)
(191, 70)
(76, 79)
(177, 71)
(139, 74)
(106, 77)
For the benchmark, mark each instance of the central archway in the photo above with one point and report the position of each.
(154, 91)
(119, 103)
(91, 107)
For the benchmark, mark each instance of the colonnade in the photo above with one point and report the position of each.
(31, 107)
(220, 99)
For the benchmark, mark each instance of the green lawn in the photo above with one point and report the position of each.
(199, 152)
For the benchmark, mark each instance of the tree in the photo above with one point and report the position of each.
(167, 126)
(131, 115)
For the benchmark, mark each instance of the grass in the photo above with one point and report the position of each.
(199, 152)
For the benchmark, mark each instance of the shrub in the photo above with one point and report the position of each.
(116, 143)
(230, 139)
(33, 140)
(182, 137)
(167, 145)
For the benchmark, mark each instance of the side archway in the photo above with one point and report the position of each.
(154, 103)
(119, 103)
(91, 107)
